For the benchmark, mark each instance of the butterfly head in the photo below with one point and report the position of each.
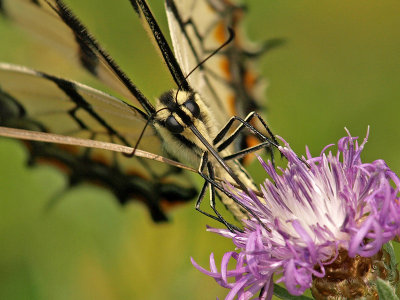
(179, 110)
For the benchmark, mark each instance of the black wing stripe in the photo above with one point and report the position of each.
(166, 51)
(2, 9)
(87, 57)
(9, 107)
(171, 6)
(69, 89)
(84, 37)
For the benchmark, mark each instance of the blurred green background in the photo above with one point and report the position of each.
(339, 68)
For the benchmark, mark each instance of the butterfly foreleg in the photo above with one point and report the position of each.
(212, 184)
(244, 152)
(203, 163)
(244, 123)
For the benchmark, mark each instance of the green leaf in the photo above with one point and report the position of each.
(389, 248)
(393, 276)
(385, 290)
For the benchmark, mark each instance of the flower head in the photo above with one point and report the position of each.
(311, 213)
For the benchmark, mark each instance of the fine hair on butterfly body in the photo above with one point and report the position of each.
(188, 128)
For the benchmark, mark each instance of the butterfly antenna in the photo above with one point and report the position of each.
(149, 120)
(227, 42)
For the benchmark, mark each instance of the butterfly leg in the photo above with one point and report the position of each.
(245, 123)
(244, 152)
(212, 184)
(266, 141)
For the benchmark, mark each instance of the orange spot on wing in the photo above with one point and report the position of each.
(250, 142)
(62, 167)
(232, 105)
(134, 172)
(97, 157)
(249, 80)
(225, 67)
(167, 206)
(69, 148)
(54, 162)
(247, 159)
(220, 32)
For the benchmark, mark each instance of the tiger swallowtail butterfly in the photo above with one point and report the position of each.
(183, 124)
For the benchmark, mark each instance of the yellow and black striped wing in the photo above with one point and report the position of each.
(227, 81)
(41, 102)
(55, 25)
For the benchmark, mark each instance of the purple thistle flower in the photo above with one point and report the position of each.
(313, 212)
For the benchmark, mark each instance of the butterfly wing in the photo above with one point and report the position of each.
(70, 108)
(48, 103)
(227, 82)
(40, 102)
(62, 31)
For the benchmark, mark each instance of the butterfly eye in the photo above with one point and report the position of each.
(172, 125)
(192, 107)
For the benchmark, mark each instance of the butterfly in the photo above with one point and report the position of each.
(185, 124)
